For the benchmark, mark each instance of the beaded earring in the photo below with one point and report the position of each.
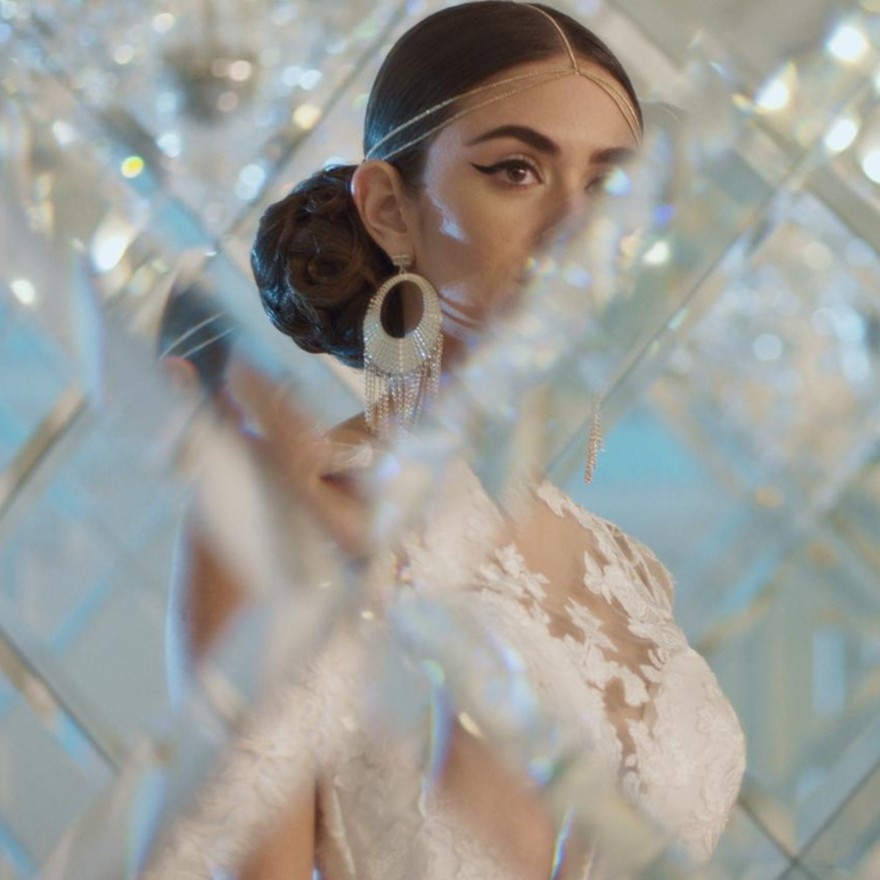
(401, 374)
(594, 444)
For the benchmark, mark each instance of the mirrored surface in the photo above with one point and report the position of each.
(733, 329)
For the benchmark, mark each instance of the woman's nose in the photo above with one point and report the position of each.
(562, 210)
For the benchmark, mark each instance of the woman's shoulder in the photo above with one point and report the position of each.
(570, 528)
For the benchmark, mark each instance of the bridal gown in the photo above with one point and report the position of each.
(585, 610)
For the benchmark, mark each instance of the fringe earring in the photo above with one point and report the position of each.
(401, 374)
(594, 444)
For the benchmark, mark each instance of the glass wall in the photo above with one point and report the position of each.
(738, 365)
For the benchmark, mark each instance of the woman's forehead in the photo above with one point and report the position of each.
(572, 110)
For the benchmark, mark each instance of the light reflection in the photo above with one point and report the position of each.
(871, 165)
(290, 76)
(849, 325)
(169, 143)
(123, 54)
(841, 135)
(468, 724)
(240, 70)
(253, 176)
(24, 291)
(847, 44)
(658, 254)
(618, 183)
(163, 22)
(306, 116)
(773, 96)
(112, 238)
(250, 180)
(310, 79)
(132, 167)
(107, 252)
(64, 132)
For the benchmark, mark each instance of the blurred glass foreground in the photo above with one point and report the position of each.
(732, 330)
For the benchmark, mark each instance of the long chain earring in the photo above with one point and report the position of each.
(401, 374)
(594, 444)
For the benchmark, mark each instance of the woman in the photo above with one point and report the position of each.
(489, 124)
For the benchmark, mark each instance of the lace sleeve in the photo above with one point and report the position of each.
(640, 560)
(590, 610)
(279, 757)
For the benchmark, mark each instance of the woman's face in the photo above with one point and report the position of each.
(498, 179)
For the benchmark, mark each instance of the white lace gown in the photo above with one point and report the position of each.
(588, 612)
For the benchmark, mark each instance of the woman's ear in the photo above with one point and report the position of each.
(381, 201)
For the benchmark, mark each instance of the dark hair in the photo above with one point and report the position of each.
(314, 262)
(195, 326)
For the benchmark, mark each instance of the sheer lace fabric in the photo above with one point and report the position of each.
(588, 610)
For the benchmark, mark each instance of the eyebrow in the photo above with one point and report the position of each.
(522, 133)
(611, 155)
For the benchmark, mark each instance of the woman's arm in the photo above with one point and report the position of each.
(207, 593)
(205, 597)
(287, 852)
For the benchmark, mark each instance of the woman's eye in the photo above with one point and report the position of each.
(515, 172)
(598, 184)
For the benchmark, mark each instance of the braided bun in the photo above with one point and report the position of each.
(316, 266)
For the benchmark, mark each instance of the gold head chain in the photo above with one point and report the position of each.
(510, 86)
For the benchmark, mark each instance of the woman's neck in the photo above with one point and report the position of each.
(352, 431)
(355, 430)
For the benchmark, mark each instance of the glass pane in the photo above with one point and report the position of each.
(810, 636)
(739, 363)
(715, 536)
(214, 92)
(793, 412)
(855, 514)
(33, 375)
(746, 852)
(49, 774)
(850, 846)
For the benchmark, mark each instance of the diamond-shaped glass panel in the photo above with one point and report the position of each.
(213, 92)
(800, 664)
(850, 846)
(32, 378)
(49, 773)
(746, 852)
(794, 412)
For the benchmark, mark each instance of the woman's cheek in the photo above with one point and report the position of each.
(450, 226)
